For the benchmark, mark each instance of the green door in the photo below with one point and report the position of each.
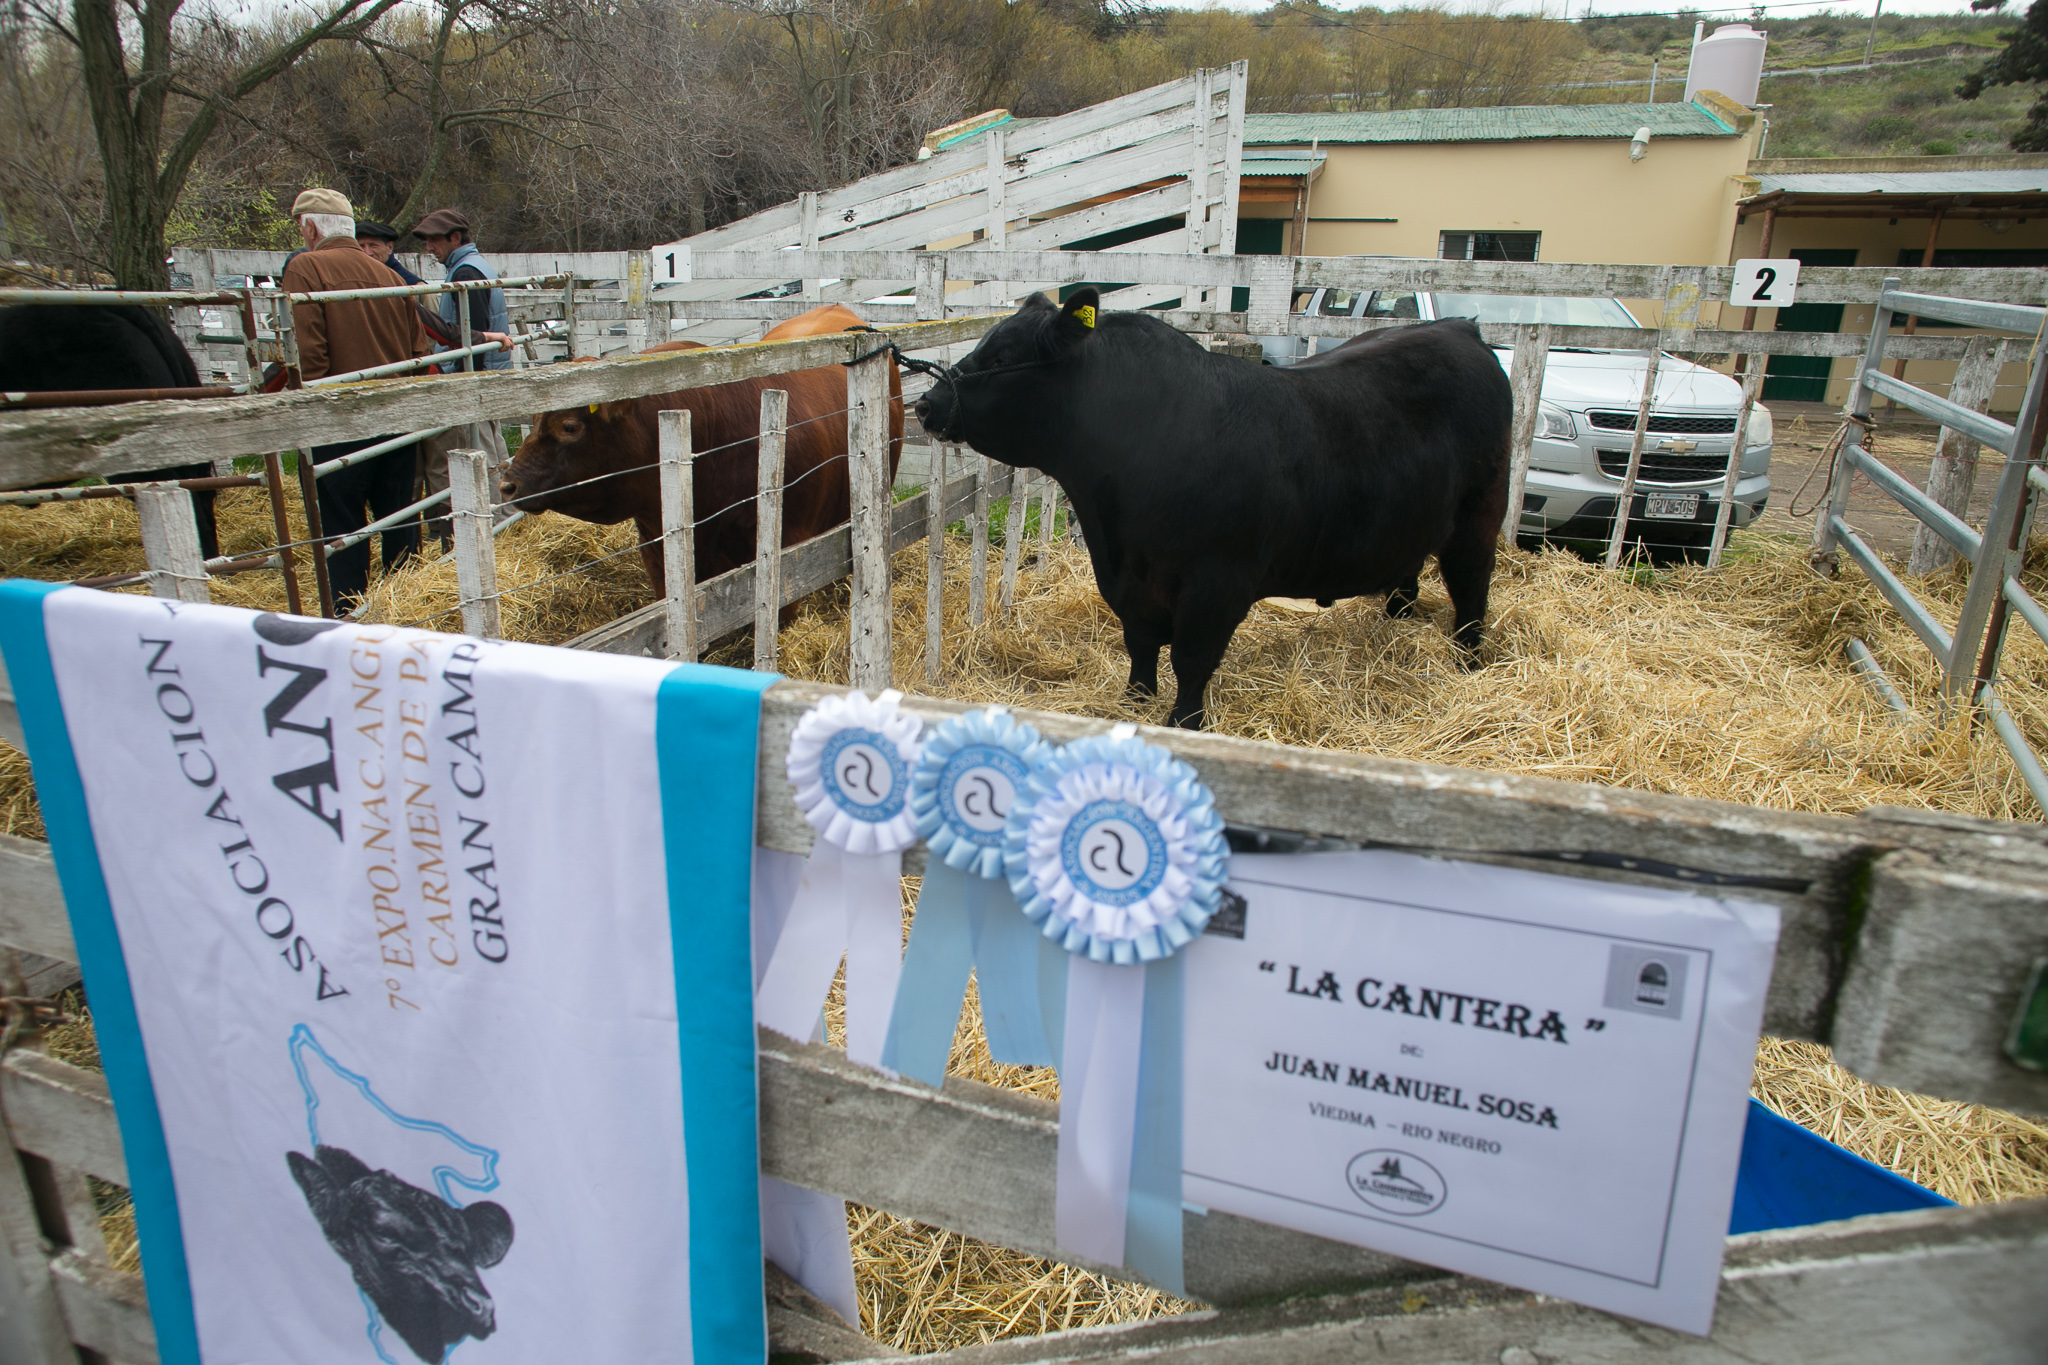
(1804, 378)
(1256, 237)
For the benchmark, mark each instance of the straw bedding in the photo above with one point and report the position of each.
(1731, 685)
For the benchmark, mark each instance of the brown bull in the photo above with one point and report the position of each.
(577, 444)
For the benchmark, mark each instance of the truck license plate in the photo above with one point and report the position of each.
(1671, 506)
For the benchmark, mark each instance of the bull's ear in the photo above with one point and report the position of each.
(1077, 315)
(323, 1195)
(344, 1166)
(490, 1231)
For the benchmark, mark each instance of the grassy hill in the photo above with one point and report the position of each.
(1904, 103)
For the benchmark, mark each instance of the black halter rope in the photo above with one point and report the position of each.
(950, 374)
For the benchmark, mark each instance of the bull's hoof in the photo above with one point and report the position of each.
(1326, 602)
(1135, 691)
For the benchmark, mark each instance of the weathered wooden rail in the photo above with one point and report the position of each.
(1906, 944)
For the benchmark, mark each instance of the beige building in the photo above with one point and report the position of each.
(1560, 183)
(1967, 212)
(1542, 183)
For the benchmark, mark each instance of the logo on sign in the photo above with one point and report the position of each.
(1396, 1182)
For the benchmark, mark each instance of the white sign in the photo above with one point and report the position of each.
(1533, 1078)
(669, 264)
(1762, 283)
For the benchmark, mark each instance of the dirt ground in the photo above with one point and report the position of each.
(1903, 440)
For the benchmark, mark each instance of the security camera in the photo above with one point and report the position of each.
(1639, 144)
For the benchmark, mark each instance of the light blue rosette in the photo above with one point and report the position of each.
(1115, 852)
(961, 794)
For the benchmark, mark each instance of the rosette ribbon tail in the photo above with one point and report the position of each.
(850, 905)
(964, 923)
(1118, 1200)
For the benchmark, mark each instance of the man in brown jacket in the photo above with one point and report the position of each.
(338, 338)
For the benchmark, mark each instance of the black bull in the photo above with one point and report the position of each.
(1204, 483)
(70, 346)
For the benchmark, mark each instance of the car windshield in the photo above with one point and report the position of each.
(1558, 312)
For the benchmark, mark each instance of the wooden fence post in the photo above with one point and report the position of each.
(1048, 515)
(476, 550)
(1681, 316)
(32, 1326)
(1953, 476)
(1724, 514)
(931, 286)
(170, 542)
(1525, 378)
(569, 314)
(768, 528)
(997, 235)
(273, 480)
(678, 534)
(935, 563)
(251, 354)
(977, 555)
(867, 453)
(1013, 538)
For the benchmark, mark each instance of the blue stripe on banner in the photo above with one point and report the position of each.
(1152, 1219)
(706, 733)
(72, 847)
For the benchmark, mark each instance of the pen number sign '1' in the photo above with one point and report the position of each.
(1758, 283)
(669, 263)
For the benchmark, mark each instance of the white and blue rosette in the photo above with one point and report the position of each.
(1115, 852)
(850, 761)
(961, 793)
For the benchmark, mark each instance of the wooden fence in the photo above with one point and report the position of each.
(1906, 943)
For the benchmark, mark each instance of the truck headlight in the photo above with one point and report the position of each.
(1553, 423)
(1759, 426)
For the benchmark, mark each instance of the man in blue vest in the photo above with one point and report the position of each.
(445, 232)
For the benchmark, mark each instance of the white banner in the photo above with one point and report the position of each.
(1538, 1079)
(394, 909)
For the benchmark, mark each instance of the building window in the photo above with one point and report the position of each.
(1487, 246)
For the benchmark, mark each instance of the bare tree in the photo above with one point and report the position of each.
(158, 85)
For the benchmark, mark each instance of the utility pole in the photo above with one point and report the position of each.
(1871, 43)
(1653, 80)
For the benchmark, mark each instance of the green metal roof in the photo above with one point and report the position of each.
(1513, 123)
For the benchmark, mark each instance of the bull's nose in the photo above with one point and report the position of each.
(508, 488)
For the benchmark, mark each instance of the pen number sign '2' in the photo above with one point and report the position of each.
(1758, 283)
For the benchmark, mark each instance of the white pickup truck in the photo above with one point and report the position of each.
(1588, 419)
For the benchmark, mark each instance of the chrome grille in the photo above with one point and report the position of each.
(1665, 423)
(1663, 466)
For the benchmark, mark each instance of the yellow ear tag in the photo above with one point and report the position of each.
(1086, 313)
(593, 407)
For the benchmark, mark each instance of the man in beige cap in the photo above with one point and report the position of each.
(339, 338)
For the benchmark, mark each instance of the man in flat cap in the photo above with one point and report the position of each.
(341, 337)
(445, 232)
(379, 242)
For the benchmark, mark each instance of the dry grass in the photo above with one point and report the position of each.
(1969, 1153)
(1730, 685)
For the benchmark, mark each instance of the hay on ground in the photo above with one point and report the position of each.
(1730, 685)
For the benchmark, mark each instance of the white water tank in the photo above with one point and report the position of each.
(1730, 60)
